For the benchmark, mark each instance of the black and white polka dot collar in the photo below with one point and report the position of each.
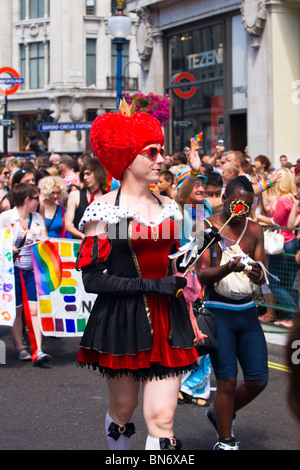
(106, 212)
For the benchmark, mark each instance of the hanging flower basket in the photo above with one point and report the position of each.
(157, 106)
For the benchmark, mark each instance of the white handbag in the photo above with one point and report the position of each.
(274, 242)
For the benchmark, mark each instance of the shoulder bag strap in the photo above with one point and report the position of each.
(50, 225)
(243, 232)
(23, 239)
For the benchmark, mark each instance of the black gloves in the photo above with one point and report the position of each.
(97, 281)
(168, 285)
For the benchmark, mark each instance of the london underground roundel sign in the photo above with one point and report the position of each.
(16, 78)
(186, 79)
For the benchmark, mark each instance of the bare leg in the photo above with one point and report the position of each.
(230, 398)
(160, 402)
(33, 307)
(123, 393)
(16, 329)
(246, 392)
(224, 406)
(123, 401)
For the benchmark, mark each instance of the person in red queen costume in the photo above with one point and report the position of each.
(138, 331)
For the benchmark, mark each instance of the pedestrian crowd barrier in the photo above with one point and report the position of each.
(282, 295)
(2, 353)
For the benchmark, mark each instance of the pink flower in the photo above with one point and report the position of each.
(157, 106)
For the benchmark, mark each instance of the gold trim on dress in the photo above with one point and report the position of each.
(139, 273)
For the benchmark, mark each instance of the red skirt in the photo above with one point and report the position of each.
(152, 255)
(161, 360)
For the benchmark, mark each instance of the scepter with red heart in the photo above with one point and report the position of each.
(237, 207)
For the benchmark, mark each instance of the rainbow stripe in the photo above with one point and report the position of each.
(108, 182)
(180, 177)
(198, 137)
(47, 267)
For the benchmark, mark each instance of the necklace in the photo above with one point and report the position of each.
(28, 223)
(154, 231)
(23, 226)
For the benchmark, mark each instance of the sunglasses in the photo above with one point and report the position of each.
(37, 198)
(153, 152)
(6, 173)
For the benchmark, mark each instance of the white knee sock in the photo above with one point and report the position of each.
(152, 443)
(123, 442)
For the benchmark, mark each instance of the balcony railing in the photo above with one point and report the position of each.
(128, 83)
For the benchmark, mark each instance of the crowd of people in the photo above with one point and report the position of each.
(50, 195)
(276, 204)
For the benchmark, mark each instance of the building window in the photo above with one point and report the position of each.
(34, 65)
(23, 64)
(90, 6)
(23, 9)
(113, 6)
(196, 55)
(239, 63)
(37, 65)
(91, 61)
(36, 8)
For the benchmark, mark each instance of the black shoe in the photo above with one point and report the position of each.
(170, 444)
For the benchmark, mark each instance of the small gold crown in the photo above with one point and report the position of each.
(127, 110)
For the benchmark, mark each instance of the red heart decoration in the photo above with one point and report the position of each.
(238, 208)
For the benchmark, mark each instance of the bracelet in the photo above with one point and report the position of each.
(265, 185)
(261, 276)
(193, 175)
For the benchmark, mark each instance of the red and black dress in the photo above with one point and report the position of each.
(130, 332)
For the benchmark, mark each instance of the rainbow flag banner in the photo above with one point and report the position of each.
(198, 137)
(7, 281)
(47, 267)
(64, 312)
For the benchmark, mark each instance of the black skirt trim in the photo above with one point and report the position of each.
(156, 371)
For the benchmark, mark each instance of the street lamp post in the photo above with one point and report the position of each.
(119, 26)
(119, 42)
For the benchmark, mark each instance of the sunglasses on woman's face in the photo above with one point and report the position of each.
(153, 152)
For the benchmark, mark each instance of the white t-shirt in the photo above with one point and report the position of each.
(11, 220)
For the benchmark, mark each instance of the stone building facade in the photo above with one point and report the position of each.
(242, 62)
(64, 52)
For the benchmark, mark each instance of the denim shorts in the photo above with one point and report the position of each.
(30, 286)
(240, 339)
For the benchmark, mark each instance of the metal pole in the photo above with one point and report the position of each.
(119, 73)
(5, 127)
(119, 44)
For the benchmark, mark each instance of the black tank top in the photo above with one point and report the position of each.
(83, 204)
